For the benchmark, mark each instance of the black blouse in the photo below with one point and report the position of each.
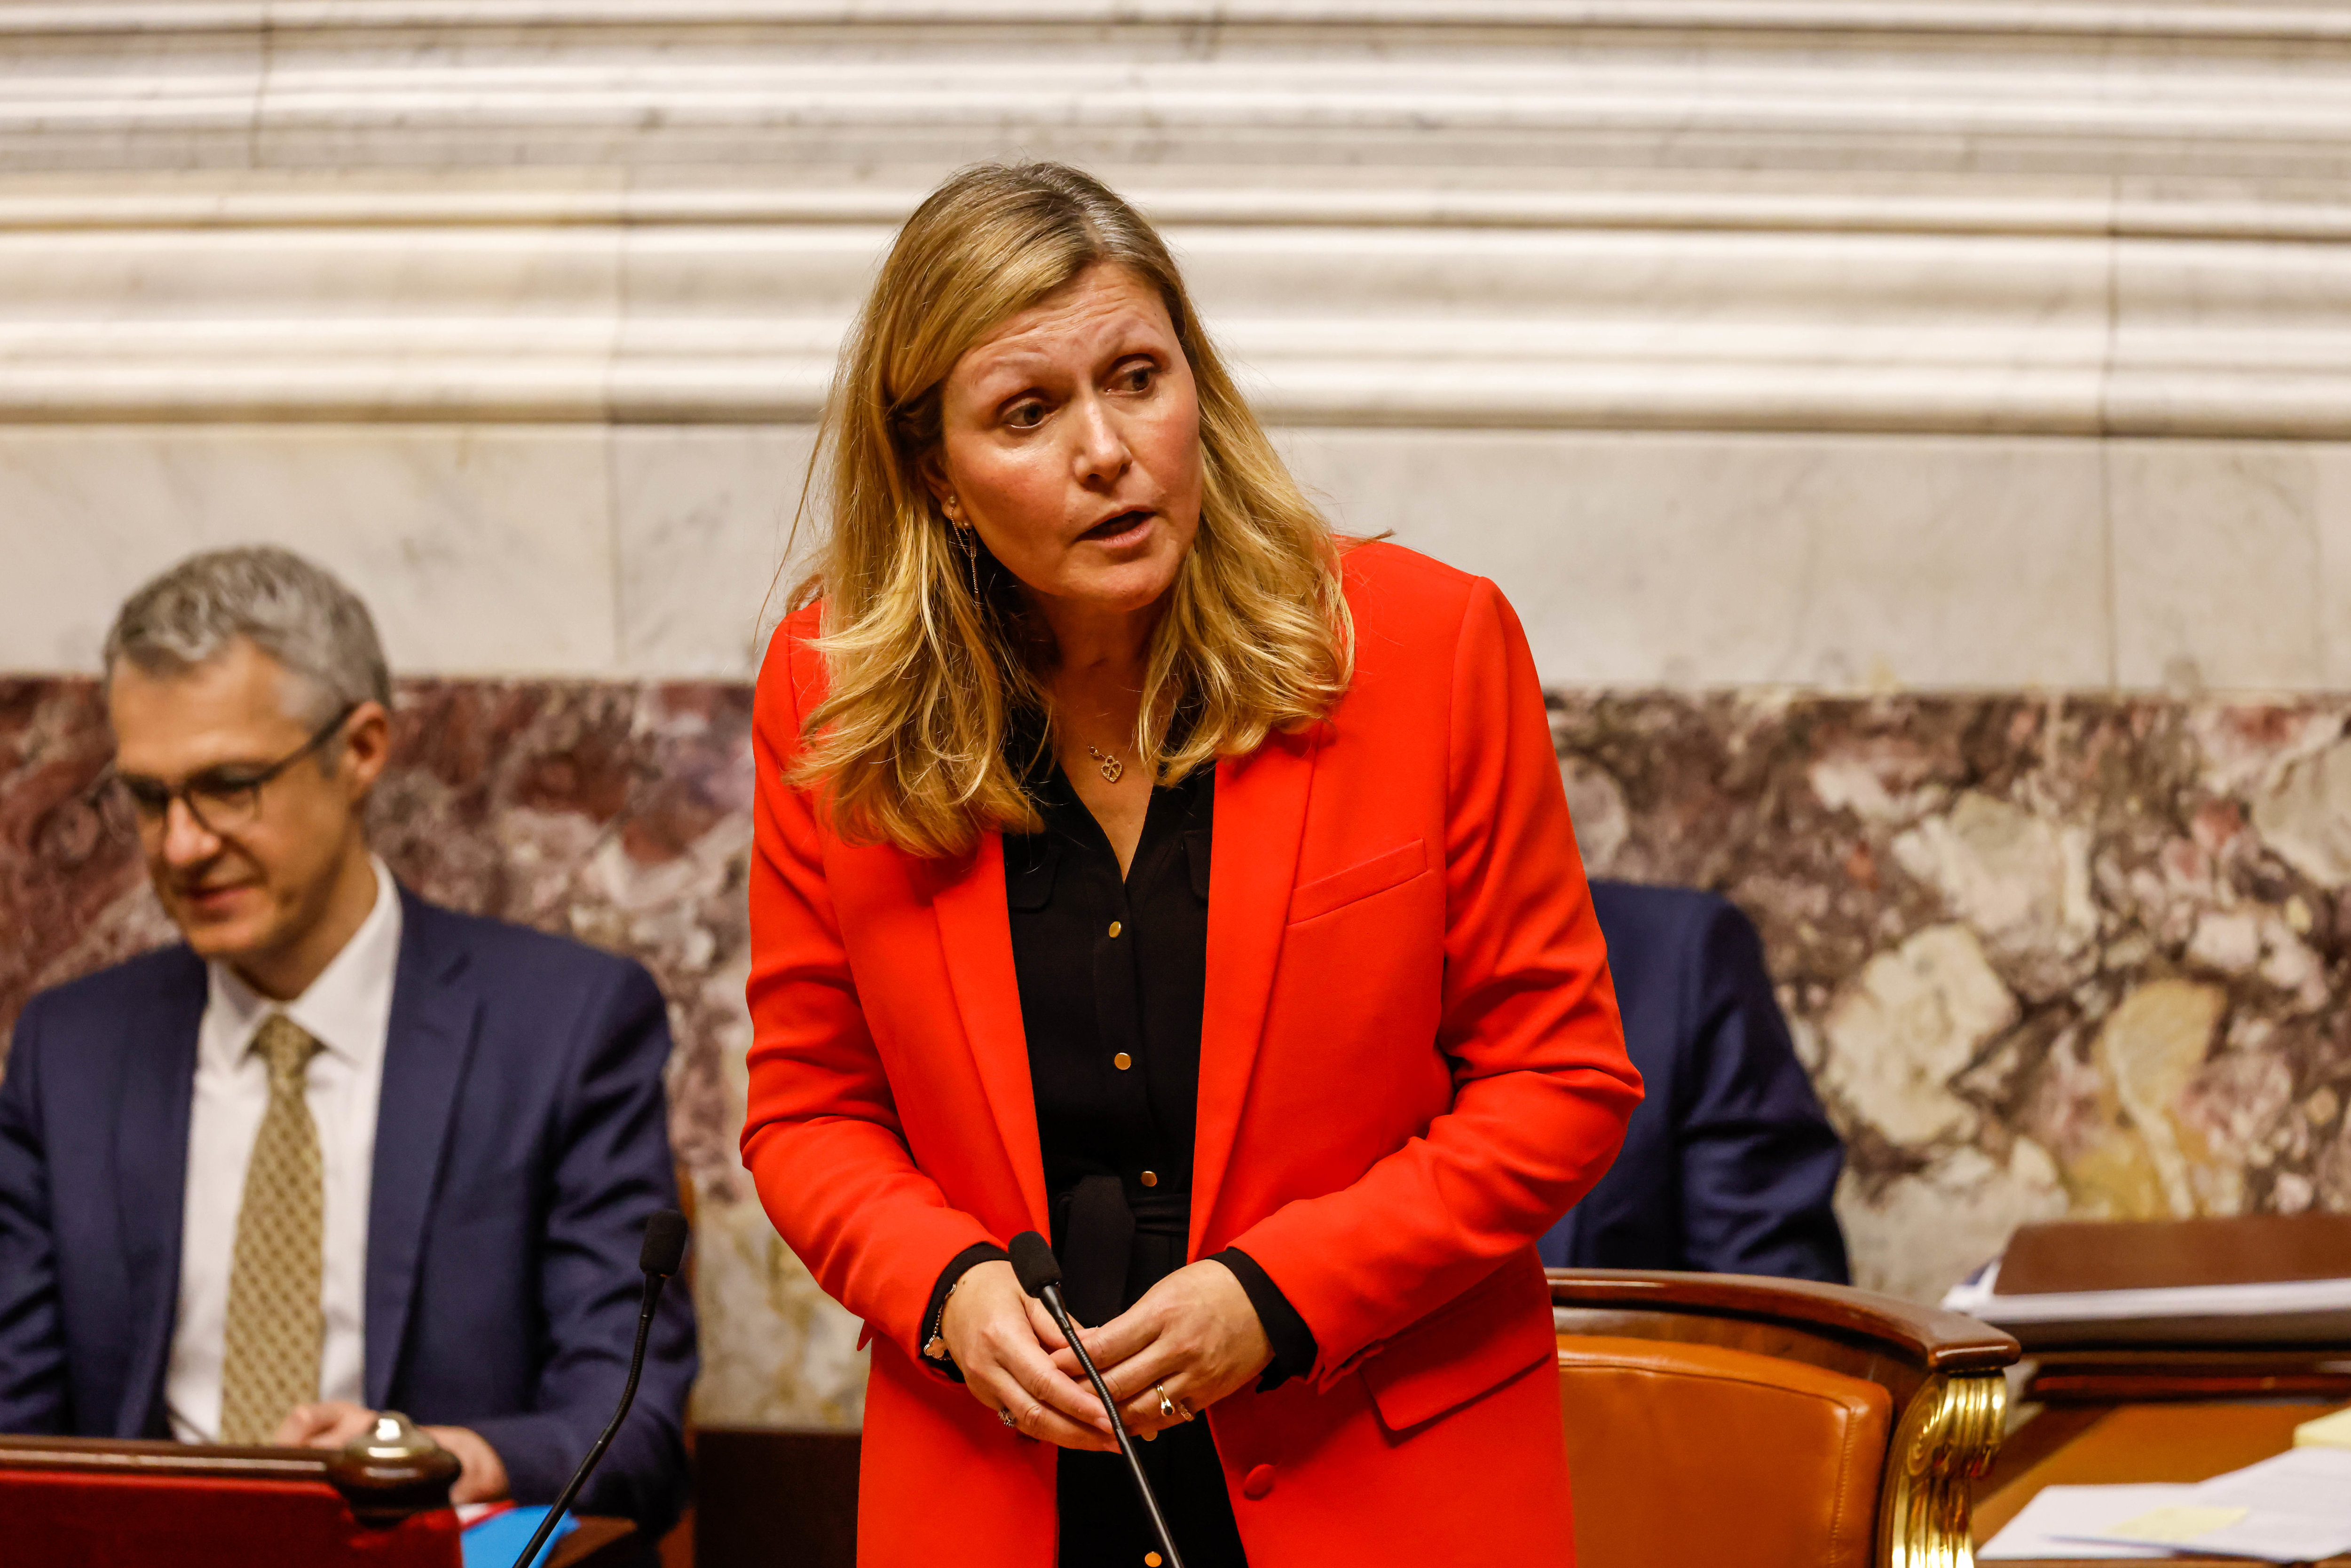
(1113, 977)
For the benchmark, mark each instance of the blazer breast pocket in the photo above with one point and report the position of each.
(1357, 882)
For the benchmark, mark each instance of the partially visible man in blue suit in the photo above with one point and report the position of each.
(342, 1150)
(1728, 1165)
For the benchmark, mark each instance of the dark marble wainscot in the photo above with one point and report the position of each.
(2042, 954)
(616, 813)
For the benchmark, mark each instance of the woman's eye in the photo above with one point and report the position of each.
(1137, 379)
(1025, 416)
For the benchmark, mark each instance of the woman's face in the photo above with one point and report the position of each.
(1070, 440)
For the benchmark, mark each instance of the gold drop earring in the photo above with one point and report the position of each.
(966, 537)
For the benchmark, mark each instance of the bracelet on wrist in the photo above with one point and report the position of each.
(934, 1343)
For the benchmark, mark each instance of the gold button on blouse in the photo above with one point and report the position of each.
(1151, 1179)
(1122, 1062)
(1115, 928)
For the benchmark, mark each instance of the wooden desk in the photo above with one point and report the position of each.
(596, 1543)
(2101, 1445)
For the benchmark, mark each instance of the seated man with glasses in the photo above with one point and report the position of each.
(342, 1150)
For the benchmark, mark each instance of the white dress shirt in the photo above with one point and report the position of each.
(348, 1009)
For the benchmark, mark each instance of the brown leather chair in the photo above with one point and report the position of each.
(1720, 1418)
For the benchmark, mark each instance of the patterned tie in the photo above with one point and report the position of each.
(275, 1325)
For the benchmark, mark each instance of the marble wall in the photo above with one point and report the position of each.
(1802, 375)
(1763, 342)
(2043, 956)
(1836, 562)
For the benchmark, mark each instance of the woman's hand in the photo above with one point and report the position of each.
(1194, 1333)
(1002, 1342)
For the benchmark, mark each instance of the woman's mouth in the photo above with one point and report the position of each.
(1122, 528)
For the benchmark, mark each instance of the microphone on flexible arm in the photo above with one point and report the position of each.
(664, 1250)
(1040, 1275)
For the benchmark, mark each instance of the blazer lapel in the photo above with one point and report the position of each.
(1252, 865)
(435, 1014)
(976, 930)
(151, 1162)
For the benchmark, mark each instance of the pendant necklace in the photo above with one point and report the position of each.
(1112, 768)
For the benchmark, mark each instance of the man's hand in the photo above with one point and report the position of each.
(328, 1424)
(484, 1476)
(1001, 1340)
(332, 1423)
(1194, 1333)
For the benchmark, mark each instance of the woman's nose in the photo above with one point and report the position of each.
(1102, 454)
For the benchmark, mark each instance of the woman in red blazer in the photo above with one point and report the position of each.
(1297, 1113)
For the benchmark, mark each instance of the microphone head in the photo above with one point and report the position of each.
(1033, 1261)
(664, 1247)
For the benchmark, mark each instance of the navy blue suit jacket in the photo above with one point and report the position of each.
(1729, 1164)
(521, 1141)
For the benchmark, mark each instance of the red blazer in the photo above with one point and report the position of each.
(1410, 1067)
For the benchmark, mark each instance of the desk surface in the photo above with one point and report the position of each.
(2101, 1445)
(598, 1541)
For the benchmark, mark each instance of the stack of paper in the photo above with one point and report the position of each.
(2298, 1311)
(2326, 1432)
(2296, 1508)
(2054, 1522)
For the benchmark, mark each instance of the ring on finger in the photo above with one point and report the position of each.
(1005, 1417)
(1166, 1405)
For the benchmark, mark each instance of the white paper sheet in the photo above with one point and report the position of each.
(2301, 1310)
(2046, 1526)
(2296, 1508)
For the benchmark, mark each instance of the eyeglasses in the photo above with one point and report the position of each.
(223, 801)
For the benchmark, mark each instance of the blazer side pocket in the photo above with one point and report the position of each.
(1377, 875)
(1491, 1334)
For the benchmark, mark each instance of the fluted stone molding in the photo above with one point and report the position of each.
(1781, 215)
(1856, 346)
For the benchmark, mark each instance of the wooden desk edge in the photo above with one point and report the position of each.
(597, 1542)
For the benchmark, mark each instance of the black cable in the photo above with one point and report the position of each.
(1040, 1275)
(664, 1250)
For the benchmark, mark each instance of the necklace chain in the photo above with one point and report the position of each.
(1112, 768)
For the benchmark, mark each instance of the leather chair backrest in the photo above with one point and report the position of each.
(1691, 1453)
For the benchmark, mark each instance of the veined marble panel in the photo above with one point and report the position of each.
(2043, 956)
(477, 548)
(703, 518)
(2201, 529)
(1845, 563)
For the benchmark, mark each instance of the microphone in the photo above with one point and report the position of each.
(664, 1250)
(1041, 1275)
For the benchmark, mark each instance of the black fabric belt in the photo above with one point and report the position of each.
(1096, 1222)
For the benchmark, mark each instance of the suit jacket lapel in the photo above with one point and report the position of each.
(150, 1159)
(976, 930)
(1252, 865)
(434, 1013)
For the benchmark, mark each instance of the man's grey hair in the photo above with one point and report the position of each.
(315, 628)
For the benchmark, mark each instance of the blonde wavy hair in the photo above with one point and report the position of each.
(932, 654)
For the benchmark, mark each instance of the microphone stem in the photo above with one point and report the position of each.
(1052, 1296)
(654, 1284)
